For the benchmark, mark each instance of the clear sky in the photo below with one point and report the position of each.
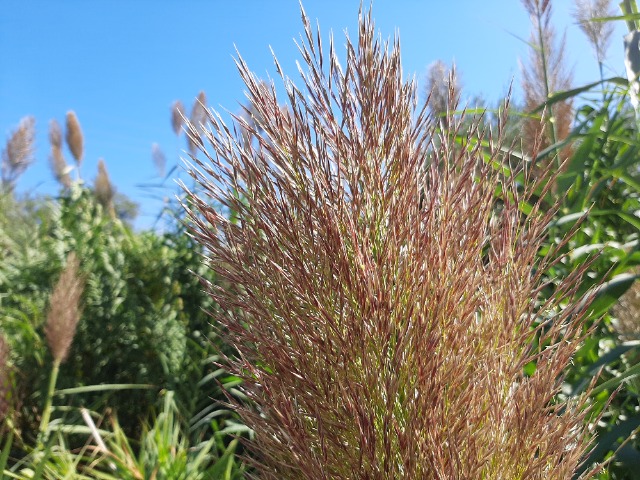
(120, 64)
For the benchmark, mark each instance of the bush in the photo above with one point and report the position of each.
(143, 321)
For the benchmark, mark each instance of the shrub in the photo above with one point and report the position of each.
(142, 321)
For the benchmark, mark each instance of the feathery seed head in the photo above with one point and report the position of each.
(177, 116)
(104, 191)
(75, 139)
(197, 121)
(55, 134)
(546, 73)
(383, 303)
(60, 167)
(64, 310)
(442, 86)
(159, 159)
(58, 163)
(598, 33)
(537, 7)
(18, 152)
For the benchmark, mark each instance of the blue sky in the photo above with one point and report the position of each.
(120, 64)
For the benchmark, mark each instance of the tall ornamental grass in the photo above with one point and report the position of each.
(382, 283)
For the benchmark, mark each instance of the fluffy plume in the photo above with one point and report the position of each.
(537, 8)
(442, 84)
(55, 134)
(159, 159)
(382, 304)
(545, 74)
(598, 33)
(74, 137)
(103, 189)
(197, 120)
(18, 152)
(56, 158)
(60, 167)
(64, 310)
(177, 116)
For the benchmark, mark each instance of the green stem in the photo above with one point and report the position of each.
(545, 74)
(46, 413)
(628, 8)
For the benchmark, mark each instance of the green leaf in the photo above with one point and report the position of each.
(609, 292)
(612, 355)
(561, 96)
(626, 18)
(4, 455)
(607, 442)
(103, 388)
(615, 382)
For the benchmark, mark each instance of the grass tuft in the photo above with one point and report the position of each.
(384, 305)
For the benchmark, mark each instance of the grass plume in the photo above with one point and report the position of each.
(75, 140)
(442, 83)
(64, 310)
(18, 152)
(598, 33)
(103, 189)
(383, 304)
(546, 73)
(177, 116)
(198, 119)
(62, 321)
(159, 159)
(56, 158)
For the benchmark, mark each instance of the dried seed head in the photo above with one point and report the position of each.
(177, 116)
(55, 134)
(64, 310)
(60, 167)
(442, 87)
(598, 33)
(103, 189)
(546, 73)
(382, 318)
(159, 159)
(197, 120)
(56, 158)
(74, 137)
(537, 7)
(18, 152)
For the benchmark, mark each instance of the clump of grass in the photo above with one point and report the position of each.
(384, 305)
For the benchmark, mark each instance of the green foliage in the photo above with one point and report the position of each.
(166, 450)
(143, 319)
(599, 198)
